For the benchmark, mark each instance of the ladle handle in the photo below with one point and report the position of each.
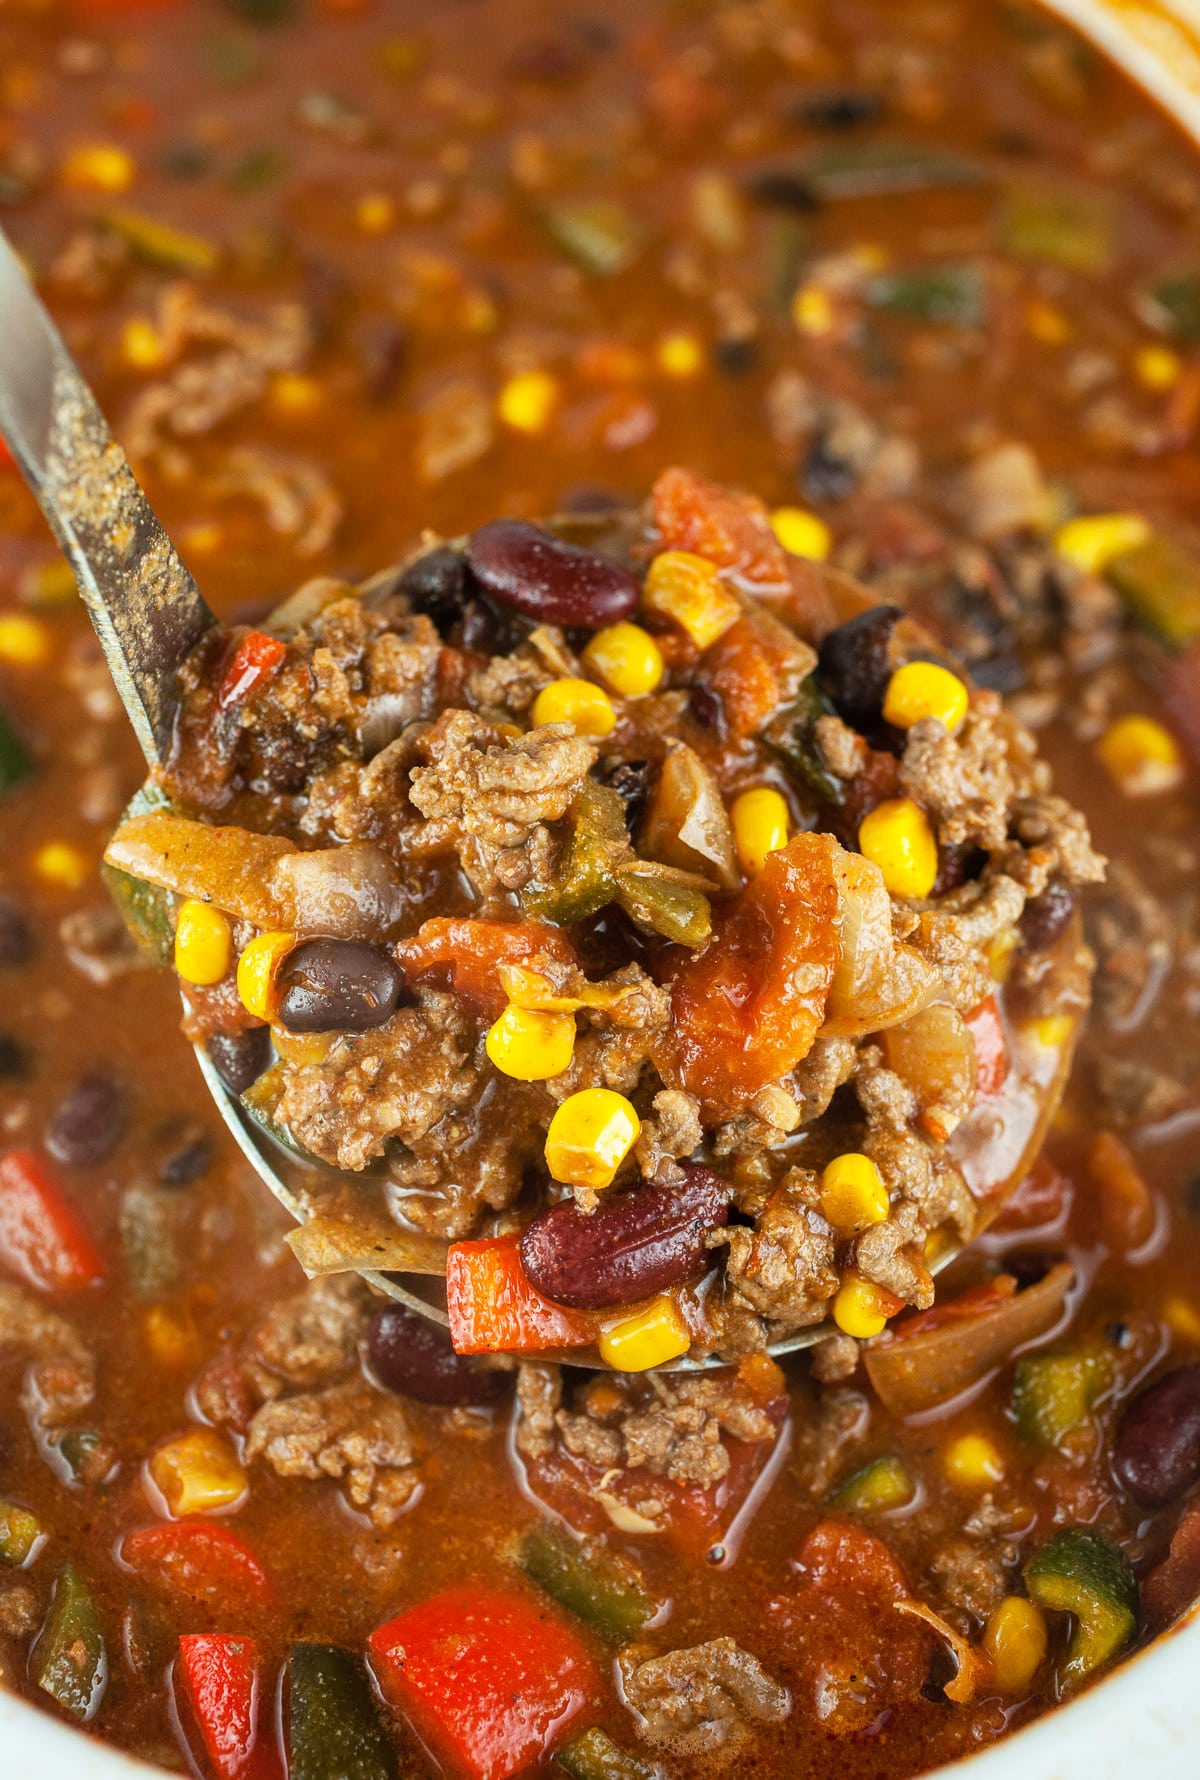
(147, 610)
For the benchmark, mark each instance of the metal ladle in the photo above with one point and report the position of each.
(149, 613)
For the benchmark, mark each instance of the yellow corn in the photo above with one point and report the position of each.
(1047, 324)
(1015, 1640)
(761, 825)
(1051, 1032)
(203, 943)
(63, 865)
(531, 1047)
(812, 311)
(23, 640)
(972, 1462)
(256, 971)
(589, 1137)
(1000, 953)
(688, 589)
(853, 1195)
(294, 395)
(1157, 367)
(896, 836)
(1140, 756)
(99, 167)
(204, 538)
(923, 689)
(170, 1338)
(1182, 1318)
(142, 345)
(1092, 543)
(586, 707)
(802, 533)
(858, 1309)
(198, 1473)
(527, 402)
(680, 355)
(651, 1338)
(627, 658)
(375, 213)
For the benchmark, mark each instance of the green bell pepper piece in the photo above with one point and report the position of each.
(149, 1222)
(1160, 583)
(605, 1590)
(679, 912)
(790, 735)
(1053, 1394)
(333, 1727)
(868, 170)
(586, 878)
(145, 908)
(601, 235)
(1081, 1571)
(594, 1756)
(1175, 302)
(16, 762)
(948, 293)
(20, 1532)
(70, 1661)
(1071, 229)
(884, 1483)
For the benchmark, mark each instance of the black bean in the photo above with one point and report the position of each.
(631, 780)
(1157, 1451)
(438, 584)
(783, 188)
(856, 665)
(633, 1245)
(188, 1155)
(547, 579)
(337, 985)
(736, 354)
(489, 629)
(16, 936)
(14, 1058)
(705, 708)
(825, 475)
(413, 1356)
(1047, 917)
(838, 108)
(239, 1058)
(88, 1123)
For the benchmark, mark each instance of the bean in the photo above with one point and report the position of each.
(337, 985)
(1047, 917)
(414, 1357)
(1157, 1451)
(437, 584)
(14, 1059)
(239, 1058)
(634, 1245)
(87, 1124)
(631, 780)
(856, 665)
(16, 936)
(548, 580)
(188, 1154)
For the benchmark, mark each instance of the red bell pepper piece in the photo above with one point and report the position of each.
(494, 1309)
(255, 659)
(986, 1027)
(200, 1562)
(41, 1235)
(975, 1301)
(221, 1677)
(467, 954)
(7, 461)
(489, 1677)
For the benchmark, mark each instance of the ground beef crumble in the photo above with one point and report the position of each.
(701, 1701)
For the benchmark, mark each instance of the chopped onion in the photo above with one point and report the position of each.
(877, 983)
(687, 824)
(351, 891)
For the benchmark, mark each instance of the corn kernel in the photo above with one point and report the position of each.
(858, 1308)
(528, 401)
(204, 538)
(1157, 367)
(812, 311)
(529, 1046)
(1092, 543)
(170, 1338)
(1141, 757)
(63, 865)
(586, 707)
(23, 641)
(375, 213)
(1051, 1032)
(1015, 1640)
(688, 589)
(198, 1473)
(256, 971)
(761, 825)
(52, 584)
(627, 657)
(1047, 324)
(203, 943)
(99, 167)
(304, 1049)
(590, 1136)
(1001, 952)
(972, 1462)
(923, 689)
(680, 355)
(896, 836)
(142, 346)
(853, 1195)
(802, 533)
(295, 395)
(1182, 1318)
(651, 1338)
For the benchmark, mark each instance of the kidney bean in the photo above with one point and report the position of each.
(239, 1058)
(632, 1246)
(337, 985)
(855, 662)
(1047, 917)
(414, 1357)
(1157, 1450)
(437, 584)
(547, 579)
(87, 1123)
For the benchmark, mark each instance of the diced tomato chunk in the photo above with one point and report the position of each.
(256, 658)
(746, 1009)
(200, 1562)
(41, 1235)
(489, 1677)
(729, 529)
(222, 1680)
(493, 1308)
(467, 954)
(754, 668)
(986, 1026)
(1181, 699)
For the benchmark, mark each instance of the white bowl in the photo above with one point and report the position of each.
(1147, 1712)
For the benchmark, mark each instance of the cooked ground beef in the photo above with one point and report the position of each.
(701, 1701)
(348, 1431)
(973, 1579)
(60, 1382)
